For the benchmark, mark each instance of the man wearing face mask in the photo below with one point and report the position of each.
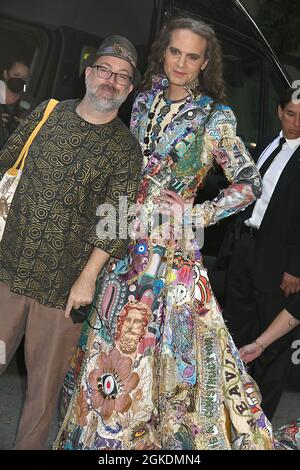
(15, 77)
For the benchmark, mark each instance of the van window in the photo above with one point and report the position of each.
(85, 52)
(17, 46)
(243, 76)
(274, 92)
(15, 63)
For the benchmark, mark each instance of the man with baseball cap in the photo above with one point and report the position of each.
(51, 252)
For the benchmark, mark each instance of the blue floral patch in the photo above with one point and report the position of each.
(122, 266)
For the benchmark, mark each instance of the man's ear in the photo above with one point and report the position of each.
(87, 71)
(5, 74)
(204, 65)
(280, 112)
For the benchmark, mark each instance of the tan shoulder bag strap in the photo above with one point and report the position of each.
(20, 162)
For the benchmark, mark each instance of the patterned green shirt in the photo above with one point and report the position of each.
(71, 168)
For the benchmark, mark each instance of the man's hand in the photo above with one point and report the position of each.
(83, 290)
(290, 284)
(250, 352)
(81, 293)
(170, 203)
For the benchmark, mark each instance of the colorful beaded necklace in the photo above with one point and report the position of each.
(157, 116)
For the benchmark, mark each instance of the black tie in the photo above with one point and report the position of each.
(263, 169)
(247, 213)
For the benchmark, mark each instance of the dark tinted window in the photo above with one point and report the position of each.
(243, 75)
(274, 94)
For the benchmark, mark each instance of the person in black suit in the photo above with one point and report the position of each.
(264, 271)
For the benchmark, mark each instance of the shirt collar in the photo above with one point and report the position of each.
(292, 143)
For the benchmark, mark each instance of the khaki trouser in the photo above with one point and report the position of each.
(50, 341)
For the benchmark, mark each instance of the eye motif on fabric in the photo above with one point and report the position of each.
(109, 385)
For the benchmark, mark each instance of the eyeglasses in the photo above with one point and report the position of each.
(103, 72)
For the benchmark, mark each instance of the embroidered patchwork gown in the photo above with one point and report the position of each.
(160, 370)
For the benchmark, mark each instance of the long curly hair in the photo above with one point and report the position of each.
(211, 81)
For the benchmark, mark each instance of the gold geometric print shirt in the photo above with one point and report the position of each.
(71, 168)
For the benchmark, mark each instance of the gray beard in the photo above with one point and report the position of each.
(104, 105)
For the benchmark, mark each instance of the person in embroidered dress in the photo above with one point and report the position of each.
(183, 385)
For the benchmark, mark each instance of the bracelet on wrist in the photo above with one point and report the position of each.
(259, 344)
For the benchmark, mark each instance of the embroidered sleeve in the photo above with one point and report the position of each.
(230, 153)
(139, 111)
